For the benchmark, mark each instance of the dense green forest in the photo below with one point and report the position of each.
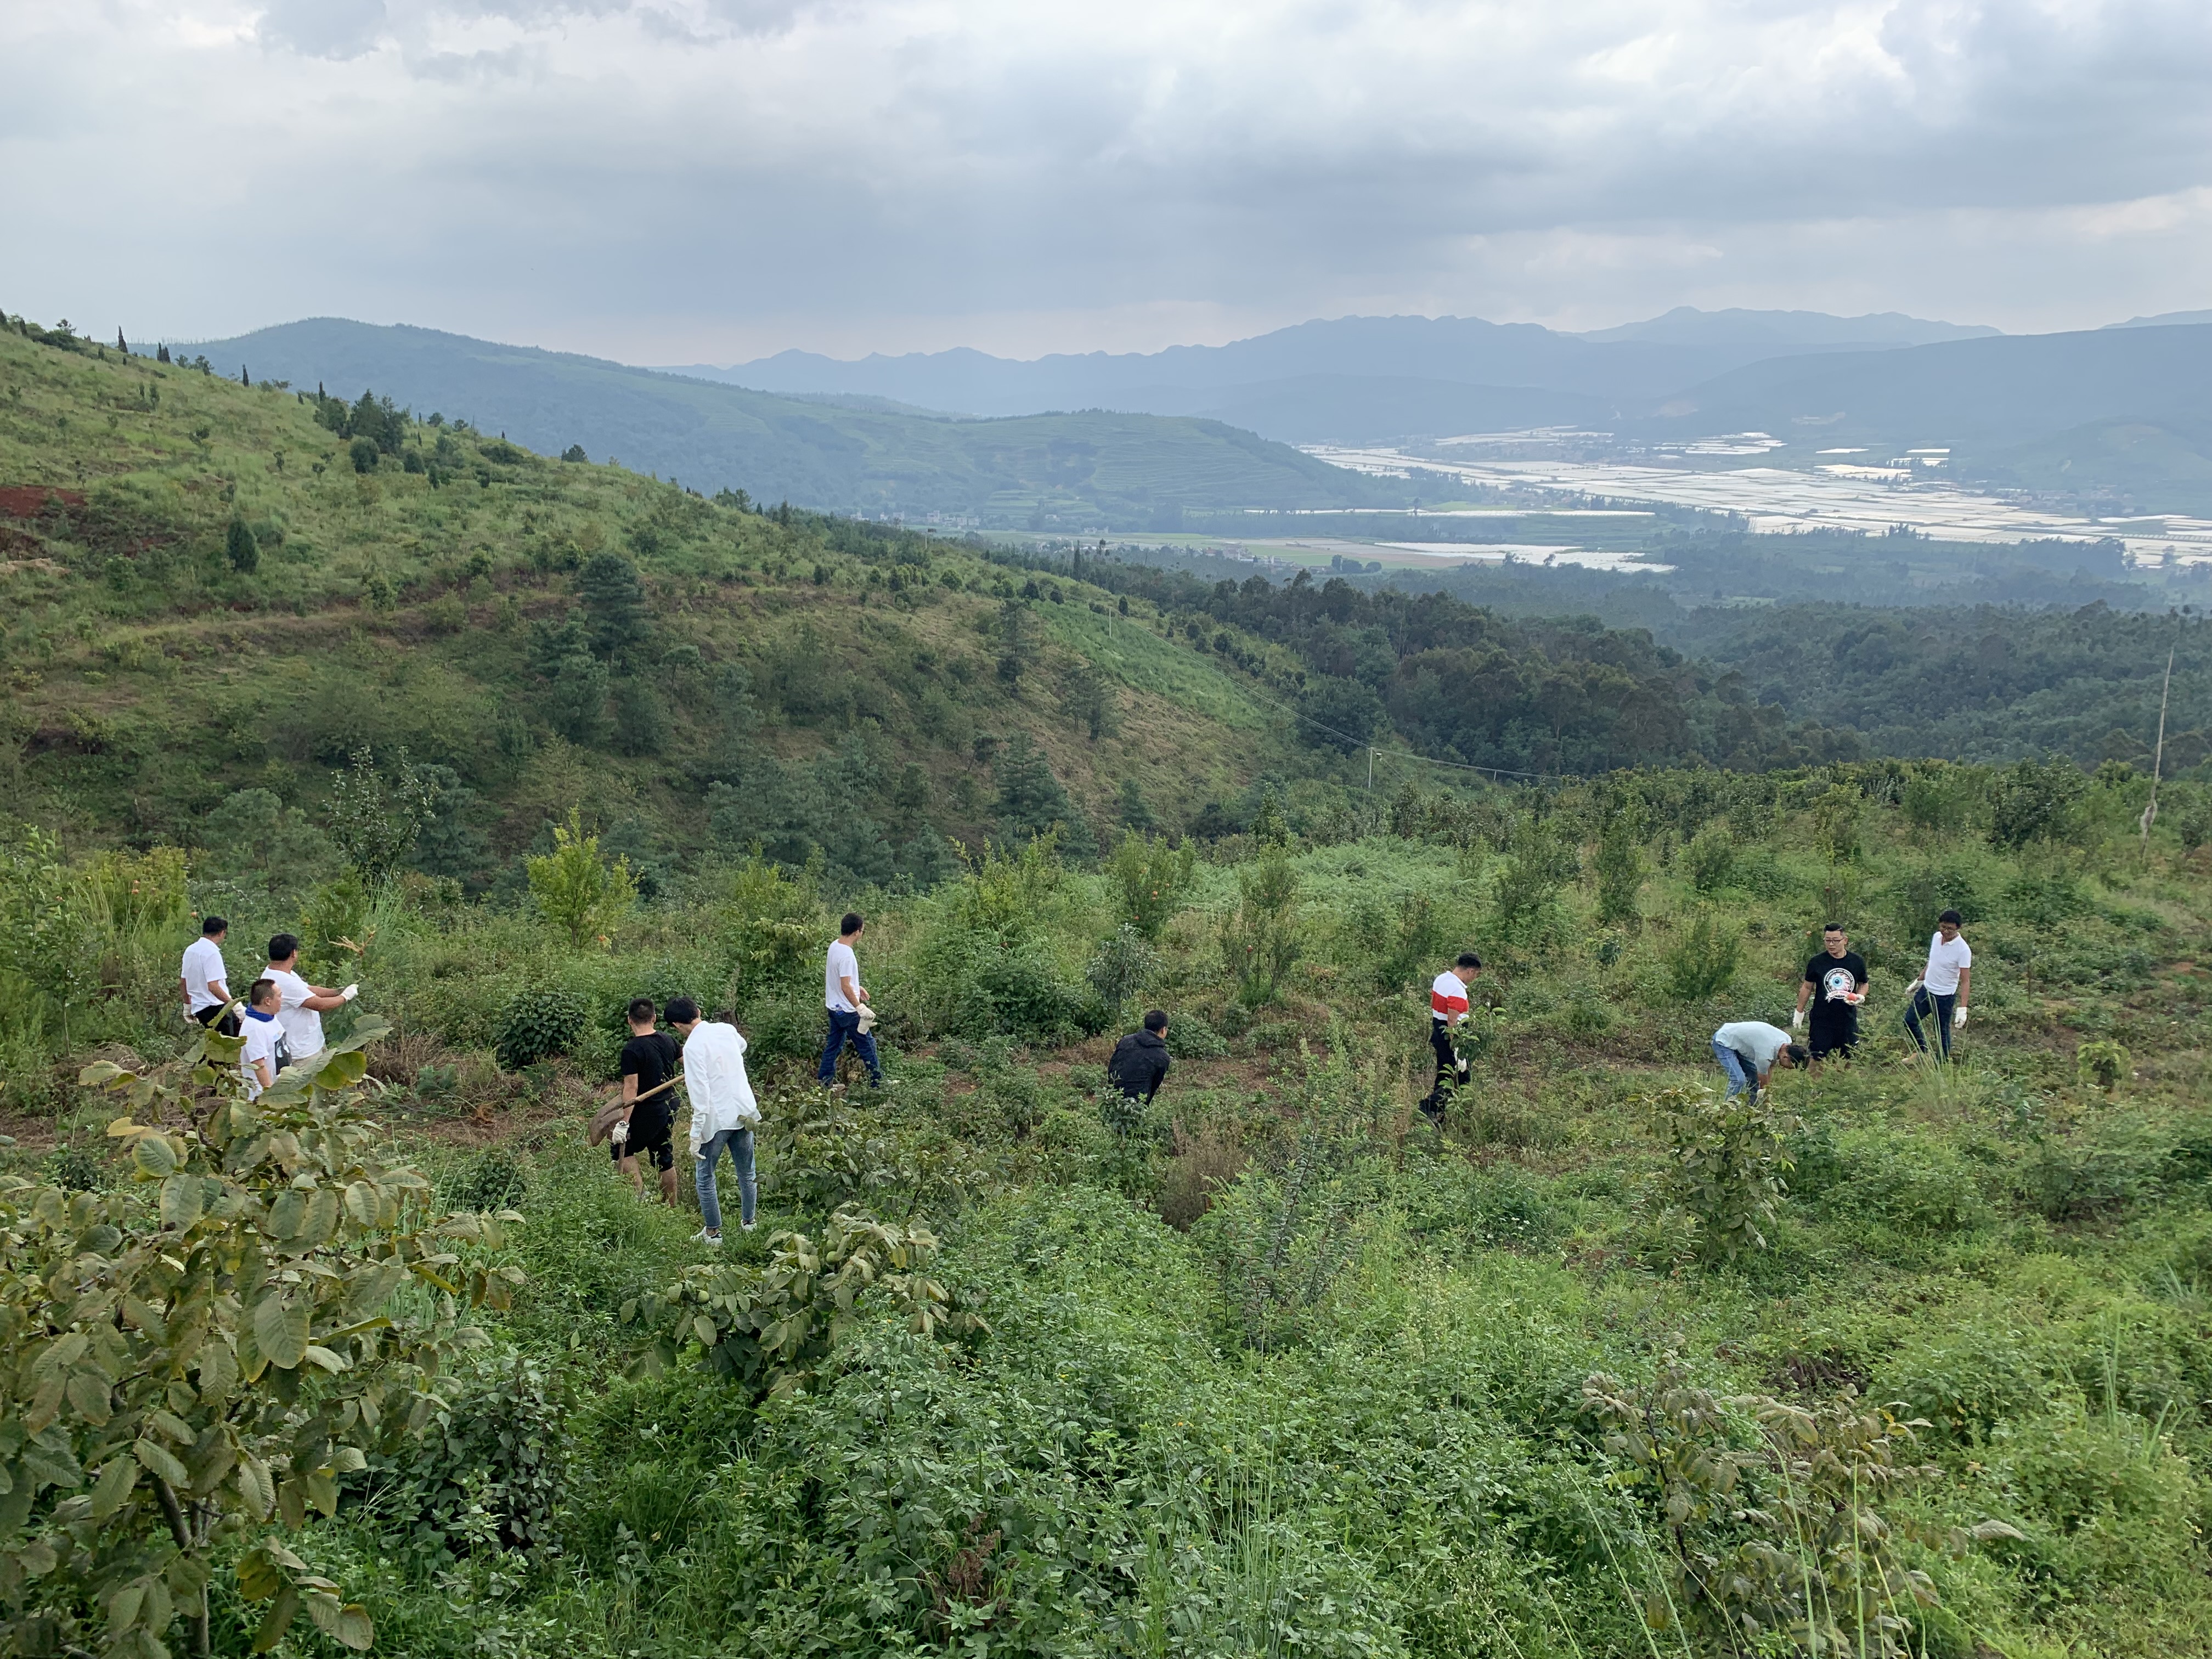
(2035, 662)
(1902, 1358)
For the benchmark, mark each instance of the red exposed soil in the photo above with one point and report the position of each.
(35, 501)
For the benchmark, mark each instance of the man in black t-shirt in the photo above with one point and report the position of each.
(650, 1059)
(1835, 984)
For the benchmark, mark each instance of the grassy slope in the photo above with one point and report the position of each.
(148, 679)
(1071, 467)
(2017, 1258)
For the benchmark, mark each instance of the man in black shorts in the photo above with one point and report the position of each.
(649, 1060)
(1835, 984)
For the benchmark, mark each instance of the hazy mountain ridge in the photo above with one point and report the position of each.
(1194, 446)
(847, 453)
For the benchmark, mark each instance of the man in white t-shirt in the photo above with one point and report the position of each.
(1448, 1007)
(724, 1114)
(845, 999)
(1941, 990)
(300, 1007)
(1749, 1051)
(205, 981)
(257, 1060)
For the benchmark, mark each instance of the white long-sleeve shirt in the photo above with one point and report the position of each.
(714, 1078)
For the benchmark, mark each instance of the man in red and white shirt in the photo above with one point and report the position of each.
(1448, 1007)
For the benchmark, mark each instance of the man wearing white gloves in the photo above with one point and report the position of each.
(1941, 988)
(300, 1007)
(1835, 984)
(723, 1112)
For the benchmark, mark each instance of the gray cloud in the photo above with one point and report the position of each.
(323, 29)
(672, 179)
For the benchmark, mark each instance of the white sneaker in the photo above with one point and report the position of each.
(702, 1236)
(747, 1226)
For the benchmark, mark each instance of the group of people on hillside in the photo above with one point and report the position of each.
(711, 1065)
(283, 1017)
(282, 1025)
(1829, 996)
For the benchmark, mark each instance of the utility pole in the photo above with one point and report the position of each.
(2157, 755)
(1370, 768)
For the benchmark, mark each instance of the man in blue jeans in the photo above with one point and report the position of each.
(1941, 990)
(847, 998)
(1749, 1049)
(723, 1112)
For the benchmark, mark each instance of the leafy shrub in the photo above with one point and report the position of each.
(537, 1024)
(1703, 958)
(181, 1478)
(1260, 938)
(1709, 859)
(1964, 1382)
(2111, 1169)
(2102, 1064)
(1399, 948)
(490, 1181)
(1836, 824)
(577, 889)
(771, 1328)
(1192, 1037)
(1539, 860)
(1921, 894)
(1152, 880)
(774, 928)
(2037, 800)
(1912, 1182)
(2105, 1500)
(2046, 898)
(74, 1170)
(1618, 866)
(1790, 1544)
(1729, 1160)
(487, 1468)
(138, 890)
(1937, 800)
(1120, 967)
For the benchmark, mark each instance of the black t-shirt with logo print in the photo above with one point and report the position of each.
(651, 1059)
(1830, 978)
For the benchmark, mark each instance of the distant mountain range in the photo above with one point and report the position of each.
(2123, 411)
(1623, 366)
(856, 453)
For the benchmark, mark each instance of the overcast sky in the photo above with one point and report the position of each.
(689, 180)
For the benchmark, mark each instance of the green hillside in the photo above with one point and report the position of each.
(1070, 471)
(2156, 466)
(1897, 1357)
(219, 588)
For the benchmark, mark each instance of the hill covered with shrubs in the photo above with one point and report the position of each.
(1901, 1358)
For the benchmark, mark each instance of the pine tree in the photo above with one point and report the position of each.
(244, 379)
(1031, 800)
(1134, 811)
(1018, 646)
(614, 601)
(122, 345)
(240, 549)
(161, 354)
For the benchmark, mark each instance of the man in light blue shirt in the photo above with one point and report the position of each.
(1748, 1050)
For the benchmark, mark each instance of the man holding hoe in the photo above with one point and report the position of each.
(649, 1060)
